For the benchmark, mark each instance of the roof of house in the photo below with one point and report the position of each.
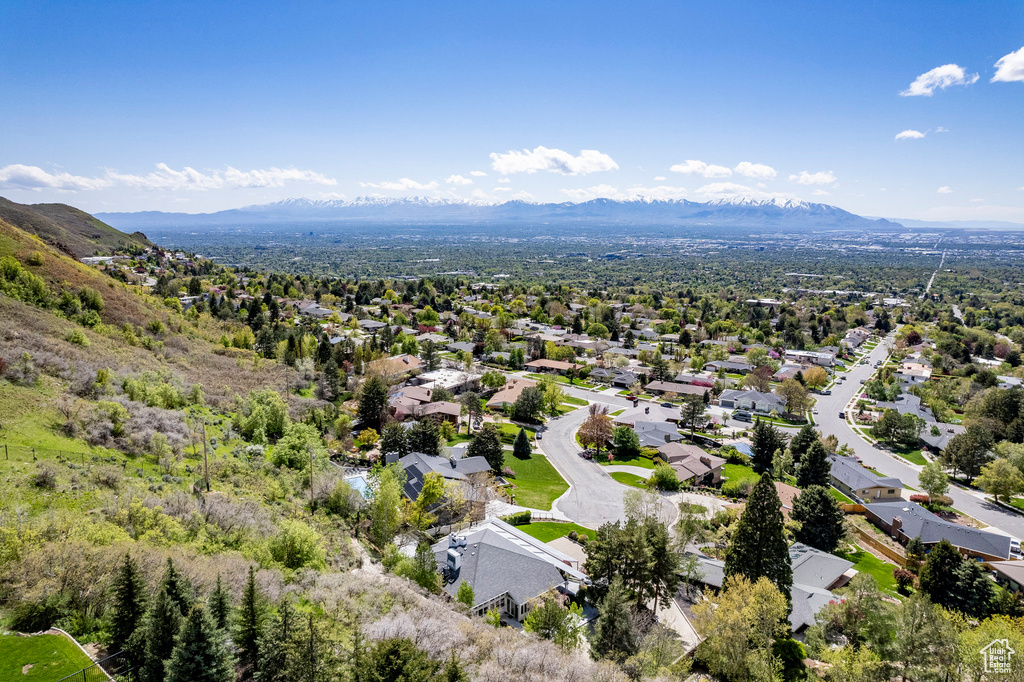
(754, 396)
(498, 558)
(404, 363)
(671, 386)
(513, 389)
(787, 494)
(442, 407)
(919, 522)
(1014, 570)
(850, 472)
(464, 346)
(651, 413)
(417, 465)
(552, 364)
(689, 460)
(655, 434)
(946, 433)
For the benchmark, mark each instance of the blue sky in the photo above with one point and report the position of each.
(204, 106)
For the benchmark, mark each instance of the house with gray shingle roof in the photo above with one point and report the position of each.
(858, 482)
(906, 520)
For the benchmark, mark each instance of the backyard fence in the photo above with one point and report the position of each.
(114, 667)
(29, 453)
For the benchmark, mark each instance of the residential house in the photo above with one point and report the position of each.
(662, 387)
(654, 434)
(507, 569)
(754, 401)
(693, 464)
(454, 380)
(905, 520)
(856, 482)
(417, 465)
(815, 575)
(552, 366)
(913, 373)
(730, 366)
(822, 358)
(510, 393)
(1009, 574)
(652, 413)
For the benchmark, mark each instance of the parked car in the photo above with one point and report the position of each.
(842, 415)
(825, 391)
(741, 416)
(1015, 548)
(667, 405)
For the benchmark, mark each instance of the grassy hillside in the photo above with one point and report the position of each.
(74, 232)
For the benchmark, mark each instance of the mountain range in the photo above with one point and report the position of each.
(736, 213)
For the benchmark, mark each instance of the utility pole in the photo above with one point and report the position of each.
(312, 503)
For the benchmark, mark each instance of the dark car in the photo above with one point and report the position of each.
(842, 415)
(539, 434)
(667, 405)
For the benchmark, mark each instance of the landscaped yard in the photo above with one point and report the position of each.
(638, 461)
(739, 472)
(866, 562)
(574, 401)
(912, 456)
(508, 433)
(840, 497)
(616, 413)
(629, 479)
(537, 484)
(559, 379)
(1017, 502)
(49, 657)
(546, 531)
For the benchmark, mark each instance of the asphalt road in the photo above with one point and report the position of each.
(829, 422)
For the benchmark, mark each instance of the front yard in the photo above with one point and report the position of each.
(546, 531)
(629, 479)
(537, 483)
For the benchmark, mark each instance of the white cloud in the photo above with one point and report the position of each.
(502, 189)
(505, 180)
(940, 77)
(523, 196)
(596, 192)
(821, 193)
(458, 180)
(940, 129)
(403, 184)
(732, 190)
(944, 190)
(478, 174)
(163, 178)
(977, 201)
(910, 135)
(755, 170)
(19, 176)
(819, 178)
(660, 178)
(1010, 68)
(553, 160)
(332, 196)
(694, 167)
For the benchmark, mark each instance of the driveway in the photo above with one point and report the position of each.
(829, 422)
(594, 497)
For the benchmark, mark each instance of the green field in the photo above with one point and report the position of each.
(739, 472)
(913, 456)
(637, 461)
(571, 400)
(866, 562)
(508, 433)
(629, 479)
(537, 484)
(546, 531)
(840, 497)
(51, 657)
(559, 379)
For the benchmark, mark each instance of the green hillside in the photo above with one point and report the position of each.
(69, 229)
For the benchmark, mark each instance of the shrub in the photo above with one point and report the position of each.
(904, 579)
(518, 519)
(108, 477)
(45, 477)
(942, 501)
(35, 260)
(89, 318)
(920, 499)
(573, 535)
(77, 337)
(739, 488)
(734, 456)
(664, 478)
(508, 472)
(297, 545)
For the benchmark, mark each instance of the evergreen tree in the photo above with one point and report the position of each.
(429, 356)
(758, 547)
(332, 379)
(394, 441)
(614, 632)
(220, 605)
(452, 671)
(521, 446)
(250, 620)
(129, 603)
(820, 517)
(394, 660)
(802, 441)
(178, 587)
(766, 439)
(465, 595)
(159, 636)
(373, 402)
(425, 437)
(665, 560)
(474, 408)
(201, 654)
(955, 583)
(274, 645)
(487, 444)
(814, 468)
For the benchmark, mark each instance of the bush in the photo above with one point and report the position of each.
(45, 477)
(108, 477)
(36, 259)
(920, 499)
(739, 488)
(297, 545)
(664, 478)
(518, 519)
(77, 337)
(942, 501)
(904, 579)
(734, 456)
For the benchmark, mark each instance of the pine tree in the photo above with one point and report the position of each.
(758, 547)
(452, 671)
(665, 560)
(394, 441)
(274, 645)
(178, 587)
(129, 603)
(955, 583)
(521, 446)
(373, 400)
(251, 616)
(614, 632)
(201, 654)
(159, 635)
(392, 660)
(766, 439)
(814, 469)
(220, 605)
(802, 441)
(820, 517)
(487, 444)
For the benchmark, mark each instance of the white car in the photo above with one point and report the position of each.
(1015, 548)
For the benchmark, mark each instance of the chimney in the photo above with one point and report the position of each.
(897, 524)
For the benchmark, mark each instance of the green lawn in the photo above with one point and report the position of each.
(546, 531)
(616, 413)
(461, 438)
(629, 479)
(1018, 503)
(51, 657)
(739, 472)
(537, 484)
(840, 497)
(913, 456)
(638, 461)
(694, 508)
(508, 433)
(881, 571)
(575, 401)
(559, 379)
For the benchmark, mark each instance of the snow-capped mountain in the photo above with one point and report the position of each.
(738, 212)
